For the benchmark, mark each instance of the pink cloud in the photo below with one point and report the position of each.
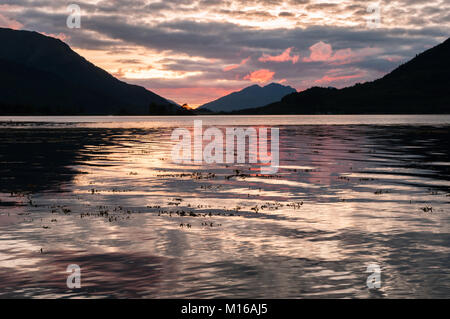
(235, 66)
(346, 56)
(342, 54)
(260, 76)
(393, 58)
(283, 57)
(6, 22)
(63, 37)
(319, 52)
(323, 52)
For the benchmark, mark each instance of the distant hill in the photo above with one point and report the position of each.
(43, 75)
(420, 86)
(250, 97)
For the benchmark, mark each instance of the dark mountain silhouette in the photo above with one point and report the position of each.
(250, 97)
(43, 75)
(418, 86)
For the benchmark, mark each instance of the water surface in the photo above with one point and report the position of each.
(103, 193)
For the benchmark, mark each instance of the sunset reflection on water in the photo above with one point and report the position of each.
(345, 196)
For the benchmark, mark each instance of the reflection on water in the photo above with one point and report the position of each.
(104, 195)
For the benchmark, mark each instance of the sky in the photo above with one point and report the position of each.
(197, 51)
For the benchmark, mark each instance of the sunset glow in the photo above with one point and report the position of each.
(196, 51)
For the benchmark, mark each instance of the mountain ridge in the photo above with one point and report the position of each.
(75, 86)
(249, 97)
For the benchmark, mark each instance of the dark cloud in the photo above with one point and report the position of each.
(210, 34)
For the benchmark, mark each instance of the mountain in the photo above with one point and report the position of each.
(250, 97)
(43, 75)
(419, 86)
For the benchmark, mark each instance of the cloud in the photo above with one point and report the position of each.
(260, 76)
(283, 57)
(6, 22)
(393, 58)
(319, 52)
(323, 52)
(235, 66)
(201, 44)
